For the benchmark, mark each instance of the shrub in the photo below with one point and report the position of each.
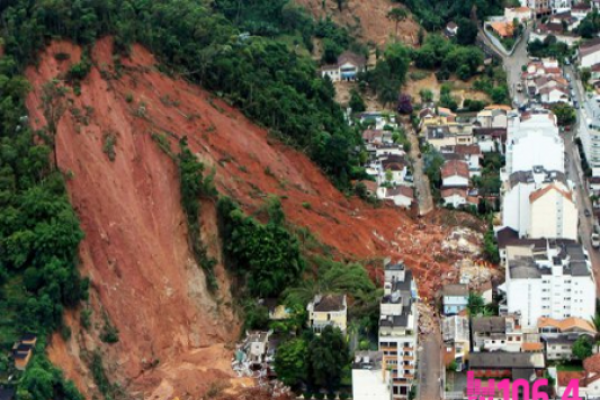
(109, 334)
(85, 318)
(306, 205)
(109, 146)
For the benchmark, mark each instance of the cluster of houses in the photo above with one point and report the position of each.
(390, 372)
(462, 145)
(544, 81)
(255, 354)
(388, 165)
(548, 295)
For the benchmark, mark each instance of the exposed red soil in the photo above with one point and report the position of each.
(367, 20)
(135, 250)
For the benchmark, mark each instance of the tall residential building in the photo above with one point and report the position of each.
(540, 204)
(533, 140)
(398, 336)
(547, 278)
(589, 133)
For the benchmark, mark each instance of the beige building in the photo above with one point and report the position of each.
(553, 213)
(328, 310)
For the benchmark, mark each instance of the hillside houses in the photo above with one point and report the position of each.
(347, 68)
(388, 165)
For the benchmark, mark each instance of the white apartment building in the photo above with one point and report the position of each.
(548, 278)
(533, 141)
(369, 380)
(540, 204)
(589, 133)
(398, 338)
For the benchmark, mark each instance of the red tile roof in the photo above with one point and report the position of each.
(564, 377)
(402, 190)
(455, 167)
(541, 192)
(467, 149)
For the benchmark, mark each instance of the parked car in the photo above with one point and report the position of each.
(587, 213)
(595, 240)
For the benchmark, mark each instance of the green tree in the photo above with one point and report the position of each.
(500, 95)
(565, 114)
(467, 32)
(475, 304)
(397, 15)
(266, 256)
(291, 362)
(327, 358)
(586, 75)
(426, 95)
(356, 102)
(490, 246)
(582, 348)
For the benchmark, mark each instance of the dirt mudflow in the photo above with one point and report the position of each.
(175, 338)
(367, 20)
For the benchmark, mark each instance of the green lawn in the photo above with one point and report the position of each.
(570, 366)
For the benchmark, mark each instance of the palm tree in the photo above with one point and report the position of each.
(397, 15)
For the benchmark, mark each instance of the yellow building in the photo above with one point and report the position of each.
(328, 310)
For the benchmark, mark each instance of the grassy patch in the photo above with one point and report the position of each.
(572, 366)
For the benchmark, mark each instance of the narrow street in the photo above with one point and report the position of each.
(421, 181)
(430, 364)
(575, 173)
(513, 65)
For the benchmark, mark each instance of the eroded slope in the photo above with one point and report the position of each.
(175, 338)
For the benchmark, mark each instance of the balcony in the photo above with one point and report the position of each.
(408, 358)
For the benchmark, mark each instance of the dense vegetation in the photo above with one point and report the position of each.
(447, 57)
(590, 26)
(317, 360)
(266, 256)
(550, 47)
(39, 238)
(262, 76)
(434, 14)
(194, 185)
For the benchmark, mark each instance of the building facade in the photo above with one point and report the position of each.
(398, 335)
(548, 279)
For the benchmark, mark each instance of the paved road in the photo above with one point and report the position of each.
(513, 65)
(423, 190)
(575, 173)
(430, 366)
